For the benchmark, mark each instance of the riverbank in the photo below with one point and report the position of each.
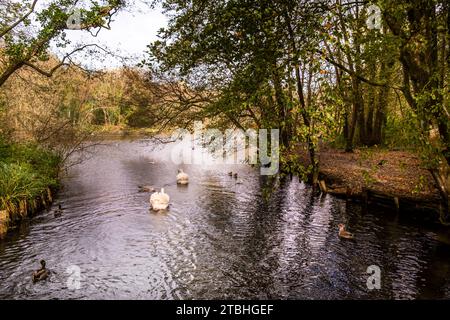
(28, 180)
(229, 231)
(376, 175)
(105, 132)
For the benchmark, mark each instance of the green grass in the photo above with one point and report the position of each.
(26, 172)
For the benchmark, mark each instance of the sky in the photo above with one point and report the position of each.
(131, 31)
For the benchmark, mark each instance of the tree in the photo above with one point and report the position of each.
(22, 46)
(248, 53)
(422, 28)
(365, 65)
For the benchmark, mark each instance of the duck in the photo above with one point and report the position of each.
(344, 233)
(58, 212)
(159, 200)
(182, 177)
(234, 175)
(40, 274)
(146, 189)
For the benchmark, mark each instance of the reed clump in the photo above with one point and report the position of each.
(28, 178)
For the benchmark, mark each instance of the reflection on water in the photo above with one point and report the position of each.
(220, 239)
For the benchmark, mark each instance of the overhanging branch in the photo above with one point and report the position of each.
(15, 24)
(354, 74)
(62, 63)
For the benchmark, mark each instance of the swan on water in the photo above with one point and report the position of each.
(182, 177)
(159, 200)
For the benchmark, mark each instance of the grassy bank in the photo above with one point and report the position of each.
(28, 177)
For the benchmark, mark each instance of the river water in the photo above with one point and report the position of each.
(222, 238)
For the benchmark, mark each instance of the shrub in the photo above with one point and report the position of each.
(26, 171)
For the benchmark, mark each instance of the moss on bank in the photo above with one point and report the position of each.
(28, 177)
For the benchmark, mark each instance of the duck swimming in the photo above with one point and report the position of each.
(40, 274)
(58, 212)
(234, 175)
(344, 233)
(146, 189)
(182, 177)
(159, 200)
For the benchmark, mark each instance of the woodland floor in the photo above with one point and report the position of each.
(386, 173)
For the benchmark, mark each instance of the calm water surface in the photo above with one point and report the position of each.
(221, 238)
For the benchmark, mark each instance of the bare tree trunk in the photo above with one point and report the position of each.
(303, 106)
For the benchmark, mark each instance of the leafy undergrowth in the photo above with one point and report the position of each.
(27, 173)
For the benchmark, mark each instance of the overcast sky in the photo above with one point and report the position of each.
(131, 31)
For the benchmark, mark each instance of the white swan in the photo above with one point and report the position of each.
(159, 200)
(182, 177)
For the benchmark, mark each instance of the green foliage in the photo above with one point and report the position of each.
(420, 185)
(292, 165)
(24, 42)
(368, 177)
(26, 171)
(401, 132)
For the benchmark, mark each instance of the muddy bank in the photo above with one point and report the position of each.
(376, 176)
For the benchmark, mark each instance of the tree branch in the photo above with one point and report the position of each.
(352, 73)
(62, 63)
(15, 24)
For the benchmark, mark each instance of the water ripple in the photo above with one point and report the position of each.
(221, 238)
